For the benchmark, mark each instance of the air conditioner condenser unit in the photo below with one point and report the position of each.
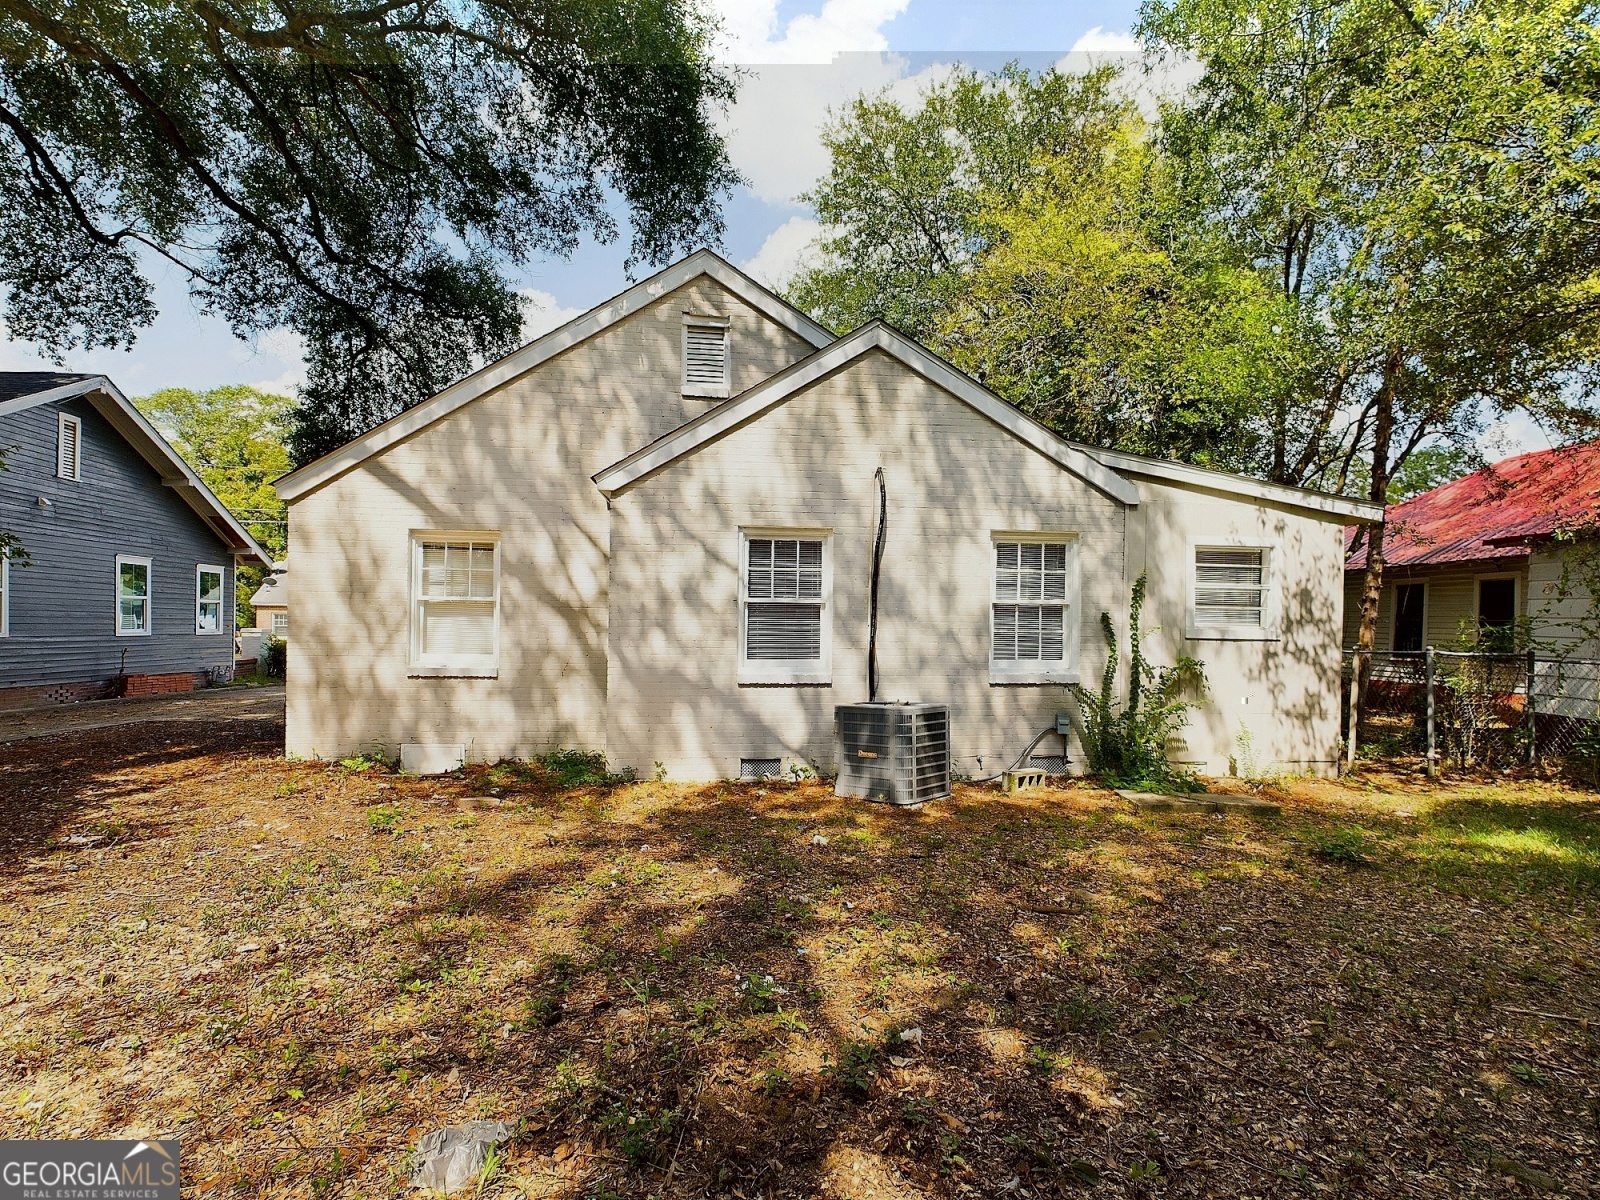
(897, 753)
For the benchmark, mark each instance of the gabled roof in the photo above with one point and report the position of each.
(48, 388)
(1494, 512)
(702, 262)
(274, 589)
(1101, 468)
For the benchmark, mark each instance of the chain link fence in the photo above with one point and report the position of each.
(1479, 710)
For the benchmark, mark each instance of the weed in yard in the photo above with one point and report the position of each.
(1041, 1061)
(1082, 1013)
(855, 1067)
(760, 993)
(1346, 846)
(362, 763)
(1529, 1073)
(776, 1082)
(638, 1134)
(917, 1111)
(383, 818)
(789, 1021)
(567, 769)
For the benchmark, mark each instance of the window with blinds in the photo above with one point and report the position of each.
(705, 359)
(208, 600)
(1030, 603)
(457, 594)
(69, 447)
(784, 600)
(1230, 586)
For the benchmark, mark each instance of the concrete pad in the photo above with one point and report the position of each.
(1199, 802)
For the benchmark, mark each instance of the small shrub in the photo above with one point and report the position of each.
(1126, 744)
(274, 658)
(638, 1134)
(1345, 846)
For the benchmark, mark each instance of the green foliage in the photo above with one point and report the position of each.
(383, 818)
(638, 1134)
(236, 439)
(1344, 846)
(855, 1067)
(275, 658)
(1126, 743)
(352, 172)
(568, 769)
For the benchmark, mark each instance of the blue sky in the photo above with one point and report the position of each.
(801, 57)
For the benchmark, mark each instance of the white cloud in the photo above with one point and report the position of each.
(1102, 39)
(774, 129)
(542, 312)
(750, 32)
(281, 348)
(783, 252)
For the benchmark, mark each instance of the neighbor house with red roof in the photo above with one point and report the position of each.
(1477, 553)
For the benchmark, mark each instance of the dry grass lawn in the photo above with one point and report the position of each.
(752, 992)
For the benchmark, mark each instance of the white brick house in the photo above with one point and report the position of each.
(649, 532)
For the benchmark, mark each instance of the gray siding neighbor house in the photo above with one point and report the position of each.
(124, 583)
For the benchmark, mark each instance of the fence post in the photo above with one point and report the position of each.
(1533, 726)
(1433, 753)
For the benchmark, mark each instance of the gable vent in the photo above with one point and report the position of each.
(705, 360)
(69, 447)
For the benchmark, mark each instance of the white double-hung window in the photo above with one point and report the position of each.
(455, 609)
(1231, 592)
(785, 594)
(133, 596)
(1033, 635)
(208, 599)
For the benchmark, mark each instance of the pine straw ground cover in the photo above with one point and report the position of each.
(298, 969)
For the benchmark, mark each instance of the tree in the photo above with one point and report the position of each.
(235, 439)
(351, 171)
(1418, 178)
(906, 192)
(1023, 225)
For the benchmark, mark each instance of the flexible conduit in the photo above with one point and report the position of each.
(877, 564)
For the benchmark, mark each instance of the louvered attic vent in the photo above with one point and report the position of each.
(705, 359)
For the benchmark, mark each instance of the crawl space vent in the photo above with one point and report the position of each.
(896, 753)
(760, 768)
(1050, 764)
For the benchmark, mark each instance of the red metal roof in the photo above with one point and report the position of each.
(1473, 518)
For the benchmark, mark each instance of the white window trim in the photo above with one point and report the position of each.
(221, 604)
(776, 672)
(1394, 614)
(478, 666)
(5, 594)
(1013, 673)
(1268, 630)
(708, 391)
(62, 421)
(149, 595)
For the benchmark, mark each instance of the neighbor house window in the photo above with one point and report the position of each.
(208, 600)
(69, 447)
(1410, 601)
(280, 624)
(705, 356)
(1035, 585)
(133, 596)
(783, 608)
(1497, 613)
(1230, 593)
(456, 610)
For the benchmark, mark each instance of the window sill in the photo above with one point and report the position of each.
(784, 678)
(1045, 678)
(1230, 633)
(446, 671)
(133, 633)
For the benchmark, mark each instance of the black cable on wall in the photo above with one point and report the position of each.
(877, 564)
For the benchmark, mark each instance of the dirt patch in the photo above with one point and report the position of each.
(764, 991)
(255, 704)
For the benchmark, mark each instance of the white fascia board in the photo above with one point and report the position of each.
(877, 336)
(144, 437)
(330, 466)
(1347, 508)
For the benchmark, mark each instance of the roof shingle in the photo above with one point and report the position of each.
(16, 384)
